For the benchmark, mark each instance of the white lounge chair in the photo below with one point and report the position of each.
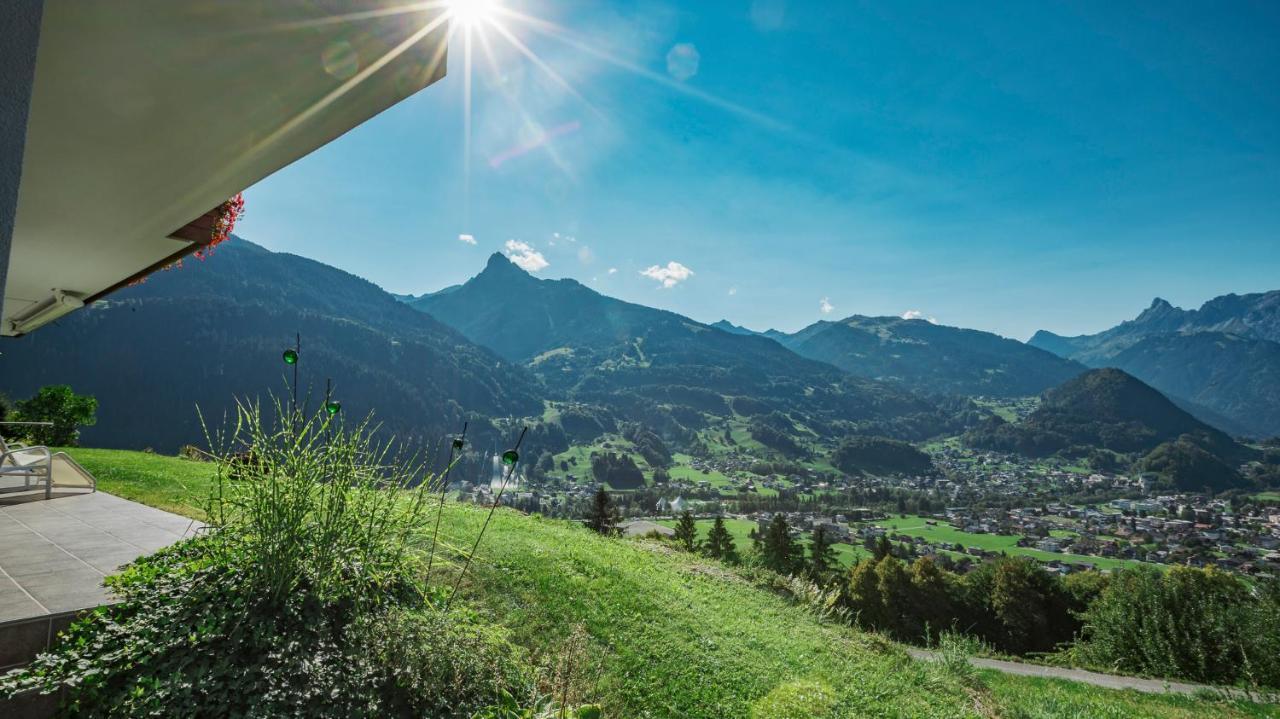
(24, 468)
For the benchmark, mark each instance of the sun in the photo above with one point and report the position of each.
(470, 13)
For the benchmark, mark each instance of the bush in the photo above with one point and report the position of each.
(301, 602)
(1198, 624)
(67, 411)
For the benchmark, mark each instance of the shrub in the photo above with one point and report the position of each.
(67, 411)
(302, 601)
(317, 507)
(1198, 624)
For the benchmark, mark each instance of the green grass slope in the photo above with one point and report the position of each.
(670, 635)
(673, 636)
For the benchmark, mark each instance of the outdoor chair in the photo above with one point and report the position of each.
(23, 468)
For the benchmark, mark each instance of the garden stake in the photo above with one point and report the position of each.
(511, 458)
(455, 446)
(290, 357)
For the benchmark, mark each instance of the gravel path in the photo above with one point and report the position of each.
(1110, 681)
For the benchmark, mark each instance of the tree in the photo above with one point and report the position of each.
(1032, 605)
(720, 543)
(781, 553)
(67, 411)
(883, 548)
(603, 516)
(931, 598)
(862, 596)
(822, 556)
(687, 532)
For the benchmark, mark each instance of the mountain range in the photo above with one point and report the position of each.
(204, 334)
(588, 347)
(1221, 361)
(930, 357)
(506, 348)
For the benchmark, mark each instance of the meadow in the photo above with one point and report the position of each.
(654, 632)
(941, 532)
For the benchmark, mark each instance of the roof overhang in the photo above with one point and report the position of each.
(147, 114)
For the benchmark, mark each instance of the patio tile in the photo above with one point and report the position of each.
(55, 553)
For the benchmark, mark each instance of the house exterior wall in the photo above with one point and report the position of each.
(20, 28)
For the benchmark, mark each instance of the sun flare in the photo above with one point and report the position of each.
(470, 13)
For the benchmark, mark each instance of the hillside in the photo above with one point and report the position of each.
(1235, 377)
(1222, 357)
(670, 635)
(639, 362)
(1109, 409)
(932, 358)
(203, 334)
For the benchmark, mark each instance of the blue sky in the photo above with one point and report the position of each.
(1002, 166)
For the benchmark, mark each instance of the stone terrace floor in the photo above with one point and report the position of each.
(54, 553)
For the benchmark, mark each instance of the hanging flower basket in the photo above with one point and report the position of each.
(208, 231)
(224, 222)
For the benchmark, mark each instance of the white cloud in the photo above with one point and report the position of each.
(585, 255)
(469, 239)
(826, 306)
(733, 291)
(613, 270)
(683, 60)
(670, 276)
(768, 14)
(525, 257)
(918, 315)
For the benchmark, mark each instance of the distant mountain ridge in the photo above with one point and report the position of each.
(591, 347)
(933, 358)
(1253, 316)
(1223, 357)
(214, 330)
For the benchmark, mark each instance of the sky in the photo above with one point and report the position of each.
(1002, 166)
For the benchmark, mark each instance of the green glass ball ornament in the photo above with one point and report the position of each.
(510, 457)
(332, 407)
(291, 357)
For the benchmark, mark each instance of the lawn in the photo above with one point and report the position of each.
(169, 483)
(915, 526)
(671, 635)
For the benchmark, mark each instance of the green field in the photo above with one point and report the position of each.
(682, 470)
(941, 532)
(671, 635)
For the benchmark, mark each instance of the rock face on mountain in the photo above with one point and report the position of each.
(593, 348)
(932, 358)
(212, 331)
(1223, 357)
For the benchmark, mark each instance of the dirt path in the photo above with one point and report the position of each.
(1110, 681)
